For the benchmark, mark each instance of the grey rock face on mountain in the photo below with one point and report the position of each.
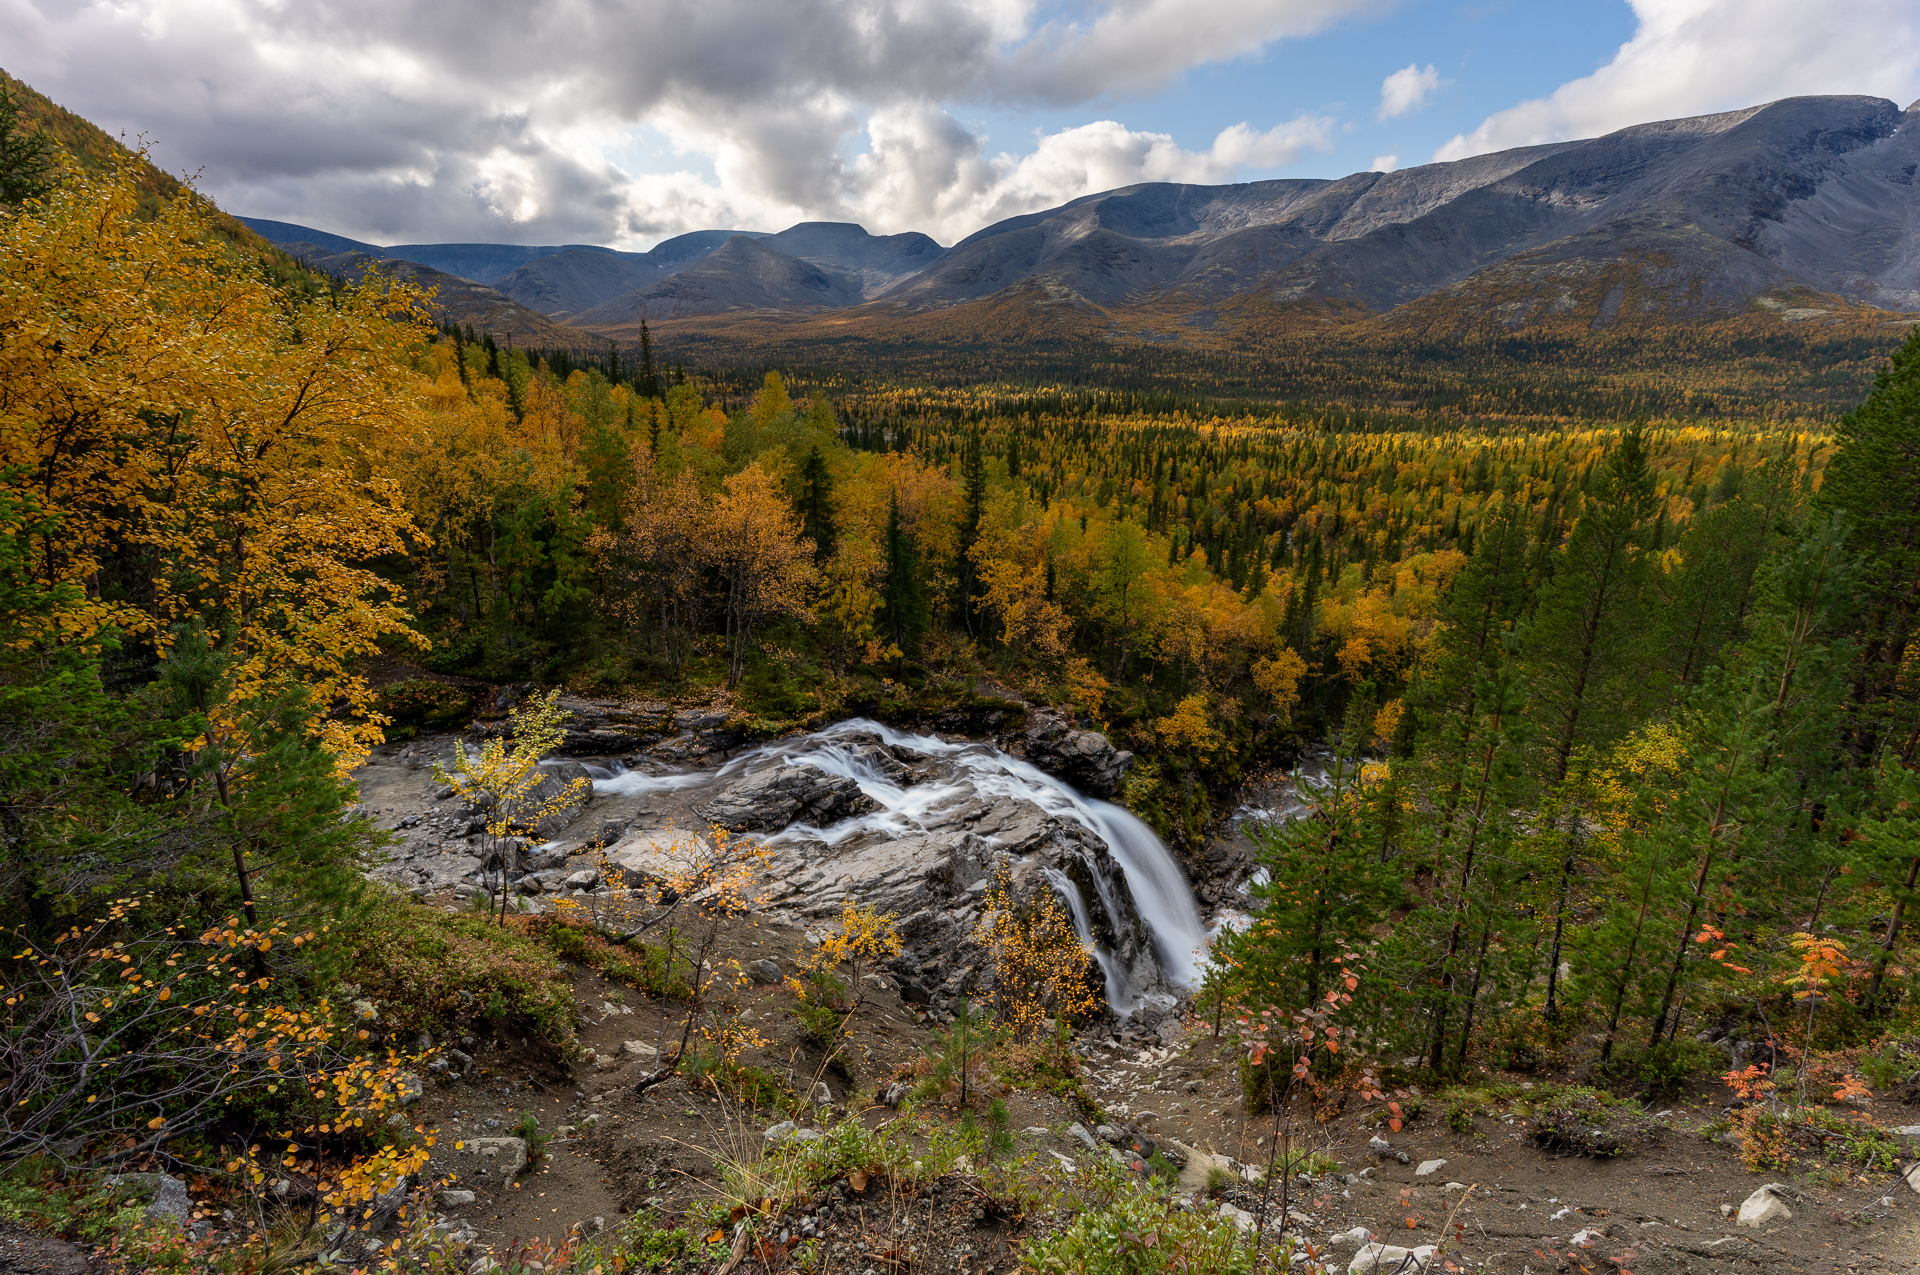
(578, 279)
(772, 799)
(742, 274)
(1084, 758)
(1817, 191)
(877, 261)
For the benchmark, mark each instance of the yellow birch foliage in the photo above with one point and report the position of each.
(183, 420)
(1041, 969)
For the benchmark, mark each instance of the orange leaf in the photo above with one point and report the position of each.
(857, 1180)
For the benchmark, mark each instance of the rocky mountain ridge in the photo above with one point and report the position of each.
(1688, 218)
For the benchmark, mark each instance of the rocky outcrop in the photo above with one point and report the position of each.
(1084, 758)
(552, 804)
(772, 799)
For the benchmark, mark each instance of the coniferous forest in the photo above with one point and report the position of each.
(1602, 723)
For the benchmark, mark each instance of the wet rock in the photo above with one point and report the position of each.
(774, 798)
(565, 785)
(1084, 758)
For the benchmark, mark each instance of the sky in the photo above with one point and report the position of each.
(624, 122)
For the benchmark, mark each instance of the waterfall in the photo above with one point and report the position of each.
(1158, 892)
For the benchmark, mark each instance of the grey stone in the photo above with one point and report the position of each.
(1086, 759)
(171, 1203)
(1078, 1132)
(785, 794)
(454, 1199)
(1375, 1258)
(1765, 1205)
(765, 973)
(1429, 1167)
(505, 1156)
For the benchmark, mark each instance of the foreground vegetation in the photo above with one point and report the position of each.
(1617, 719)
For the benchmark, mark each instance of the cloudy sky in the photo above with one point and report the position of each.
(626, 121)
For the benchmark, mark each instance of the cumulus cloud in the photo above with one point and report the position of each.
(1696, 57)
(1408, 90)
(482, 119)
(1385, 163)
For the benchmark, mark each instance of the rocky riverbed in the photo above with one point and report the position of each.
(915, 825)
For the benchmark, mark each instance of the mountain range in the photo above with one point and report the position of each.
(1688, 218)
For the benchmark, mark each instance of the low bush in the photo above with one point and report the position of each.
(1778, 1139)
(1588, 1122)
(640, 965)
(430, 970)
(1139, 1234)
(424, 704)
(1670, 1068)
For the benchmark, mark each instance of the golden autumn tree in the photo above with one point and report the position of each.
(654, 567)
(204, 447)
(768, 567)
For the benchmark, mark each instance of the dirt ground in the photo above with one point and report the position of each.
(1513, 1208)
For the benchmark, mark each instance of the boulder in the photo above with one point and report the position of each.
(1390, 1259)
(1764, 1206)
(1429, 1167)
(1246, 1221)
(771, 799)
(765, 973)
(171, 1203)
(506, 1157)
(1084, 758)
(566, 787)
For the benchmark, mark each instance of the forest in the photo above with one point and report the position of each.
(1611, 715)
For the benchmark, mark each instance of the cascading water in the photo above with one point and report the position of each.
(1158, 892)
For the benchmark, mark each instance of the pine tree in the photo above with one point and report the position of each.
(27, 165)
(905, 595)
(649, 382)
(1579, 646)
(1871, 479)
(973, 483)
(815, 505)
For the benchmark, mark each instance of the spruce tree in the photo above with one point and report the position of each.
(973, 484)
(1871, 479)
(648, 382)
(1579, 648)
(815, 505)
(26, 159)
(905, 596)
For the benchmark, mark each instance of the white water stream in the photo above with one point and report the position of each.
(1161, 897)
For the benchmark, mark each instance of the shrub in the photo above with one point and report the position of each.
(424, 704)
(1669, 1068)
(1589, 1122)
(1140, 1235)
(1778, 1139)
(429, 970)
(640, 965)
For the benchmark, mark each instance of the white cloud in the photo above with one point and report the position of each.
(1696, 57)
(1385, 163)
(482, 119)
(1408, 90)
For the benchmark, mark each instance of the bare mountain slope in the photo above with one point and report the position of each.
(742, 274)
(1815, 192)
